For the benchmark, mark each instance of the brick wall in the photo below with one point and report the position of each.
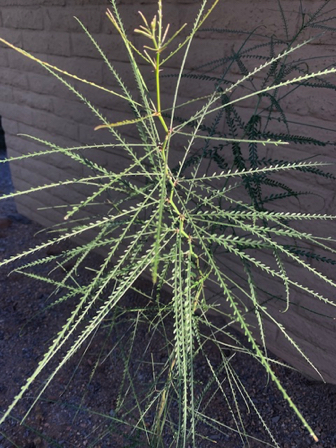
(33, 102)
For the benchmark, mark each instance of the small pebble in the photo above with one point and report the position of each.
(5, 222)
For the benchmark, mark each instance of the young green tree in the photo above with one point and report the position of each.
(178, 221)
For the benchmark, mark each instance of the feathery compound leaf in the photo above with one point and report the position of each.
(125, 122)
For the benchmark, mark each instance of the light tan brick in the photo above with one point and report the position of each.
(23, 18)
(22, 114)
(45, 84)
(47, 43)
(13, 78)
(10, 127)
(32, 100)
(63, 19)
(73, 110)
(55, 125)
(111, 47)
(32, 2)
(6, 94)
(88, 136)
(101, 98)
(23, 64)
(4, 57)
(12, 36)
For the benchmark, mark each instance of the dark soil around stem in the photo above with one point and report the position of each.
(78, 407)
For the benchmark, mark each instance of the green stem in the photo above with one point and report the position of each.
(158, 92)
(164, 146)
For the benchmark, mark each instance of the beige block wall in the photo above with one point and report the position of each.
(33, 102)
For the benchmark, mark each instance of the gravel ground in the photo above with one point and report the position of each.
(77, 411)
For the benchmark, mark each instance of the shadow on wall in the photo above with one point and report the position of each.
(5, 174)
(2, 140)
